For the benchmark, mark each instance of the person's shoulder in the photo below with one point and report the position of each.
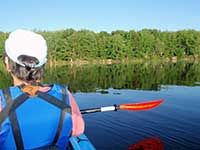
(60, 86)
(1, 92)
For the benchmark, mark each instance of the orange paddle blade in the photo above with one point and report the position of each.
(148, 144)
(141, 106)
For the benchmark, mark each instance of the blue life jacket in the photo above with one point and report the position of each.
(33, 122)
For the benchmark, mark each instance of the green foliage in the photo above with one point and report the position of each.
(146, 43)
(83, 44)
(5, 80)
(3, 37)
(69, 44)
(103, 45)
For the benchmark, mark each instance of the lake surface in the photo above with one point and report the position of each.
(176, 122)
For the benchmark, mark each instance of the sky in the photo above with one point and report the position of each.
(100, 15)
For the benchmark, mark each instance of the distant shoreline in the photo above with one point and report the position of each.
(124, 61)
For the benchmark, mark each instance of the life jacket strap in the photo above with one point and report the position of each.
(9, 110)
(12, 105)
(60, 104)
(62, 115)
(54, 101)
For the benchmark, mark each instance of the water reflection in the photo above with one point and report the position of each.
(145, 76)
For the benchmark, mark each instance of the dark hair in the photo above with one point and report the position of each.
(28, 72)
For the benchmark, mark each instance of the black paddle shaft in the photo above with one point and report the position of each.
(100, 109)
(92, 110)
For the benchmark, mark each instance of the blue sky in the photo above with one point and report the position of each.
(100, 15)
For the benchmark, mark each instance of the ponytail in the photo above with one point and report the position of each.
(26, 72)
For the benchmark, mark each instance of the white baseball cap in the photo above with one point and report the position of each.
(24, 42)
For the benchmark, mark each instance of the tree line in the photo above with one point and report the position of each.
(69, 44)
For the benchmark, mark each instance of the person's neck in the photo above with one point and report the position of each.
(17, 81)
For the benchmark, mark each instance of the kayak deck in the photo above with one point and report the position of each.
(80, 142)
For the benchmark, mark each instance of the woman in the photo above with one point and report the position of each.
(34, 115)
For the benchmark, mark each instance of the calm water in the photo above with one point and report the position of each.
(176, 121)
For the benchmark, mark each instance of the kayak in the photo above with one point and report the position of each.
(80, 142)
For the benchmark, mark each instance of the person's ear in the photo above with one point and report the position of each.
(7, 64)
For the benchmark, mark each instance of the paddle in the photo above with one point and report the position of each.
(133, 107)
(148, 144)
